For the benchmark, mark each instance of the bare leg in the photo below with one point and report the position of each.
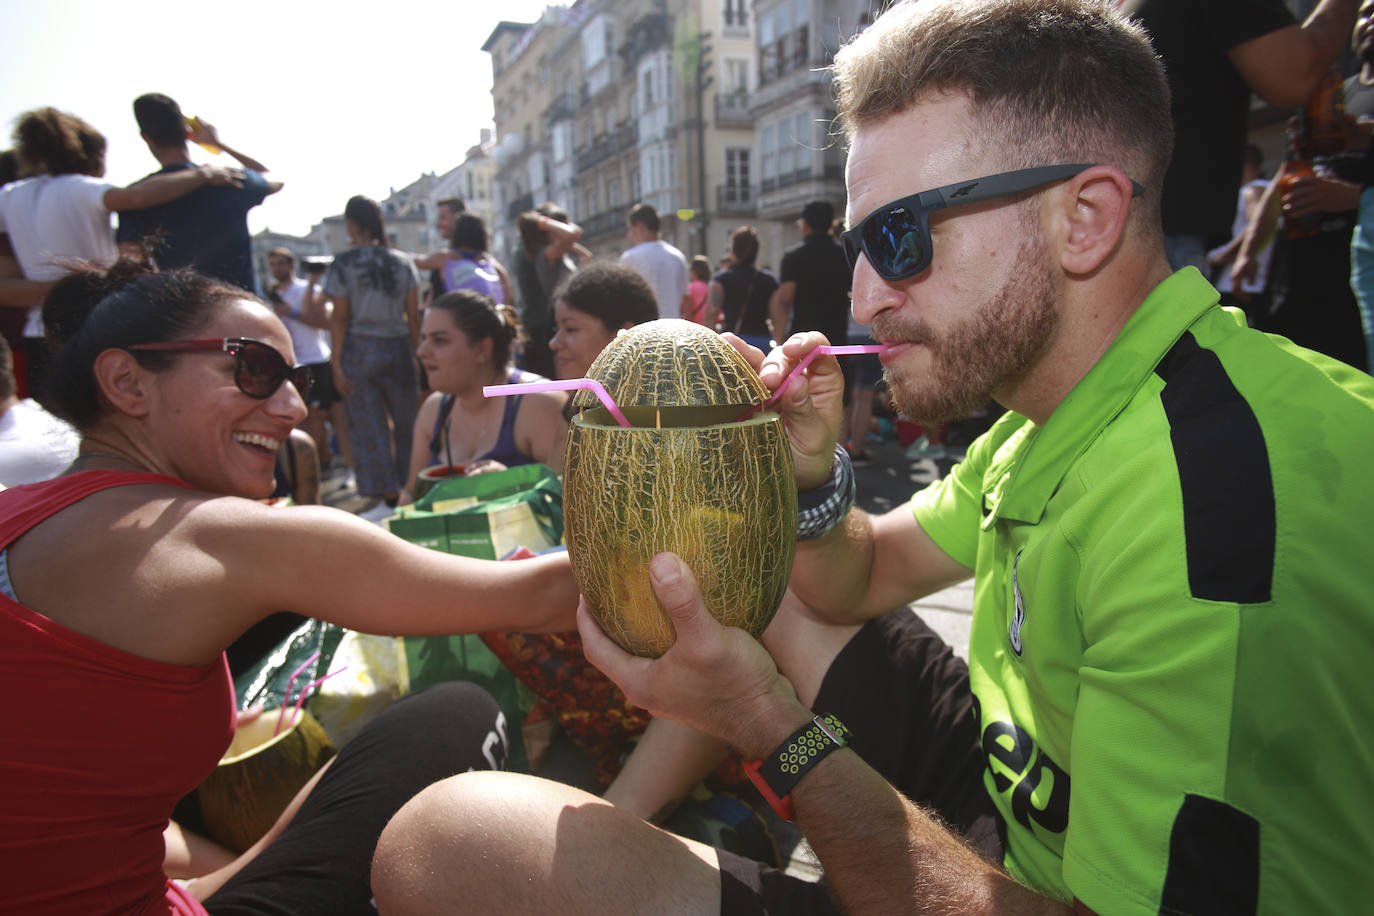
(502, 842)
(339, 420)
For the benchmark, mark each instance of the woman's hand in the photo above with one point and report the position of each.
(483, 466)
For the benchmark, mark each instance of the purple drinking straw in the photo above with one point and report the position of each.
(845, 350)
(287, 695)
(568, 384)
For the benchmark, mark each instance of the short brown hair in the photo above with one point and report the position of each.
(281, 251)
(1051, 81)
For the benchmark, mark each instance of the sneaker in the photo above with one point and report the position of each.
(923, 448)
(378, 513)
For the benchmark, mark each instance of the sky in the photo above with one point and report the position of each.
(336, 100)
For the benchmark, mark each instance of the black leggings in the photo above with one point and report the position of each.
(322, 861)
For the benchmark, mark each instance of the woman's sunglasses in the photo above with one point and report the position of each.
(896, 237)
(259, 369)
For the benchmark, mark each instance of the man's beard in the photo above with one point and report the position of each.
(990, 349)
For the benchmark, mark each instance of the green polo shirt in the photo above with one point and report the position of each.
(1173, 634)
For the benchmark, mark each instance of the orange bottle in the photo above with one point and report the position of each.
(192, 126)
(1324, 115)
(1297, 166)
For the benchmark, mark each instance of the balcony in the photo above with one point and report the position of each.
(788, 54)
(607, 222)
(733, 108)
(561, 109)
(607, 145)
(735, 198)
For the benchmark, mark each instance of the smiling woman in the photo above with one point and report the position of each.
(122, 582)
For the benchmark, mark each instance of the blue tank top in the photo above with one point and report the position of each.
(505, 450)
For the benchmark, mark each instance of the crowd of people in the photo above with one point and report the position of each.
(1162, 707)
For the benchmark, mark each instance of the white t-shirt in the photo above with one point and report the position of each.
(55, 218)
(666, 270)
(34, 445)
(311, 344)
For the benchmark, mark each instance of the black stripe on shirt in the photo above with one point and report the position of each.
(1214, 860)
(1223, 469)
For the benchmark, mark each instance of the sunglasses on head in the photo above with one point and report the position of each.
(259, 369)
(896, 237)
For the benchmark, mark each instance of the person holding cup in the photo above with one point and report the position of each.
(466, 343)
(123, 581)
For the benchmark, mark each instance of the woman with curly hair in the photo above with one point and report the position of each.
(60, 216)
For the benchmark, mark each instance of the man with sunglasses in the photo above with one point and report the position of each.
(1165, 706)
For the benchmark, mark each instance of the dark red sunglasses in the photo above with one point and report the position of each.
(259, 369)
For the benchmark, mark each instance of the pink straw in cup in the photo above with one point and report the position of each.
(842, 350)
(568, 384)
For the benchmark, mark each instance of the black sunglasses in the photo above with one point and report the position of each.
(896, 237)
(259, 369)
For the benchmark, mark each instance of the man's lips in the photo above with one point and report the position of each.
(896, 349)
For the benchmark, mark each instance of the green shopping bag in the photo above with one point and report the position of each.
(487, 517)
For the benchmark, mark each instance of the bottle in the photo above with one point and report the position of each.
(1296, 167)
(1324, 114)
(193, 127)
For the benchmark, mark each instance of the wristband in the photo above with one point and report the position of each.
(820, 510)
(777, 774)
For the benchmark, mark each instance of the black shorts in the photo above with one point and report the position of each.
(321, 863)
(904, 695)
(322, 390)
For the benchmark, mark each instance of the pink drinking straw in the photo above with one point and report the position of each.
(567, 384)
(305, 691)
(287, 695)
(846, 350)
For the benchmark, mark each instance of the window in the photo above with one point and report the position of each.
(734, 14)
(736, 75)
(787, 148)
(768, 148)
(737, 175)
(613, 193)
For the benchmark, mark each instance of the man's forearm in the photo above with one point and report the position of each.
(831, 573)
(1328, 28)
(248, 161)
(895, 858)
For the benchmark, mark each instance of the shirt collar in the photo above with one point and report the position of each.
(1034, 471)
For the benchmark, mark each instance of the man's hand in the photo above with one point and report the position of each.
(812, 408)
(203, 132)
(1309, 196)
(221, 176)
(719, 680)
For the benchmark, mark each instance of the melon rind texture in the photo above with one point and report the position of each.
(721, 497)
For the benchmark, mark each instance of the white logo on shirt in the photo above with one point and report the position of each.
(1018, 618)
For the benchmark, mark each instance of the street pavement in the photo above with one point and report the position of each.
(888, 482)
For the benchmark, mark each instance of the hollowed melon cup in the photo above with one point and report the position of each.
(687, 477)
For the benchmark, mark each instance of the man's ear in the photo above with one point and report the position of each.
(1096, 206)
(123, 382)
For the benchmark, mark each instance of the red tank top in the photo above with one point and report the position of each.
(96, 746)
